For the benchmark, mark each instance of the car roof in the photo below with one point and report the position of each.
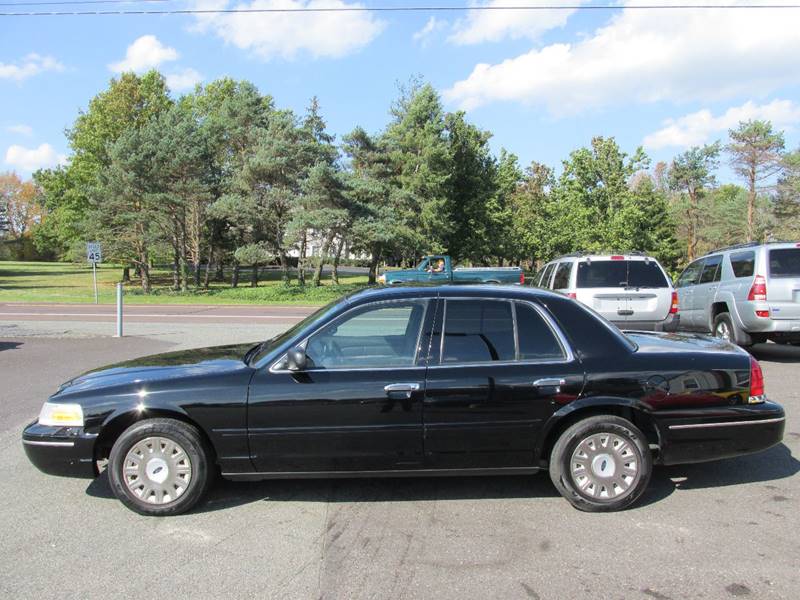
(606, 256)
(450, 290)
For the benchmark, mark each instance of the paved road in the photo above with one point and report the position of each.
(721, 530)
(153, 313)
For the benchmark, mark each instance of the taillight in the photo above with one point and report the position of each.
(522, 277)
(758, 291)
(674, 308)
(764, 314)
(756, 383)
(573, 295)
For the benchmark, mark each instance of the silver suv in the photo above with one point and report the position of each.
(631, 290)
(747, 293)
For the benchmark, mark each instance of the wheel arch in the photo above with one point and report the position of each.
(570, 414)
(118, 423)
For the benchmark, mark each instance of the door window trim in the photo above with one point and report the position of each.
(427, 300)
(568, 354)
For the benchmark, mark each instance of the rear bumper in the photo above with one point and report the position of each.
(752, 323)
(64, 451)
(669, 325)
(702, 435)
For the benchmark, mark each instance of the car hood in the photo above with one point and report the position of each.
(649, 341)
(182, 363)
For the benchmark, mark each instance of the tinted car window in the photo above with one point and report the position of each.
(620, 273)
(378, 335)
(743, 264)
(710, 271)
(690, 274)
(478, 331)
(536, 339)
(561, 280)
(548, 271)
(784, 262)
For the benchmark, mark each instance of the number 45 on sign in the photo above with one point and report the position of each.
(94, 255)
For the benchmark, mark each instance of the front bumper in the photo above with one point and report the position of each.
(64, 451)
(704, 435)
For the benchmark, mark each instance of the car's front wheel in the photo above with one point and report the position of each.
(160, 467)
(601, 464)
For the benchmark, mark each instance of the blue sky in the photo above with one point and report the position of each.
(544, 82)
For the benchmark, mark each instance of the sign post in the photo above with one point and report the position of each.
(94, 255)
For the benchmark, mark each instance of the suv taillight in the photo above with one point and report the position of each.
(756, 383)
(673, 309)
(758, 291)
(522, 277)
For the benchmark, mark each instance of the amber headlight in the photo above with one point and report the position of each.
(61, 415)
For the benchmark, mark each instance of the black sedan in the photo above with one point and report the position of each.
(414, 381)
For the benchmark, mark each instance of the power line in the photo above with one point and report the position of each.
(379, 9)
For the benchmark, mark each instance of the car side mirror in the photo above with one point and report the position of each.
(296, 359)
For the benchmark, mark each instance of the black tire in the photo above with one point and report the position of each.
(723, 320)
(562, 455)
(196, 452)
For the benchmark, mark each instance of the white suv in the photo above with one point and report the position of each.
(748, 293)
(631, 290)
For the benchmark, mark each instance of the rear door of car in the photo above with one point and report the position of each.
(497, 370)
(783, 282)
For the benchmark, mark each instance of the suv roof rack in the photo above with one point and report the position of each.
(580, 253)
(747, 245)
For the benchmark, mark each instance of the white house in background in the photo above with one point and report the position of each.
(314, 245)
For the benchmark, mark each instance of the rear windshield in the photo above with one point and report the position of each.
(784, 262)
(620, 273)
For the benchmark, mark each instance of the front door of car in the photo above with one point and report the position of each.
(491, 384)
(685, 287)
(705, 292)
(357, 406)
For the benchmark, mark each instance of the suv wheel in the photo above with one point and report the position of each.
(723, 328)
(601, 464)
(160, 467)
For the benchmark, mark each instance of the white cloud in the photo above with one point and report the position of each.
(494, 25)
(182, 80)
(145, 53)
(31, 65)
(646, 56)
(31, 159)
(699, 127)
(20, 129)
(285, 35)
(432, 26)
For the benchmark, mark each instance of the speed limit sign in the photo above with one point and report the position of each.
(94, 253)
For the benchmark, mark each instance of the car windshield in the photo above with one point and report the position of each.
(784, 262)
(620, 273)
(256, 353)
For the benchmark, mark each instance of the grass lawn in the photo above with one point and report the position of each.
(68, 282)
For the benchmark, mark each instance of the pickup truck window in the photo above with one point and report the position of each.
(743, 264)
(478, 331)
(536, 339)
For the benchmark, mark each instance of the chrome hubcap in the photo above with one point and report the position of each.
(604, 466)
(723, 331)
(157, 470)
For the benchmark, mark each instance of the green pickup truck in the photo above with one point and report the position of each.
(439, 269)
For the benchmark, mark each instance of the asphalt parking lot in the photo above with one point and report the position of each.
(719, 530)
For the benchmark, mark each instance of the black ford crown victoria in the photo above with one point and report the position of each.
(414, 381)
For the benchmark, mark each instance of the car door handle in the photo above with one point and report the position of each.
(550, 382)
(408, 388)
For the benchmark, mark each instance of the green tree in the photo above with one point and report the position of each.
(787, 204)
(756, 153)
(691, 173)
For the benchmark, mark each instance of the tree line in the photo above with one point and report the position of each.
(222, 178)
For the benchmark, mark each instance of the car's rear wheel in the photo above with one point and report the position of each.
(601, 464)
(160, 467)
(723, 328)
